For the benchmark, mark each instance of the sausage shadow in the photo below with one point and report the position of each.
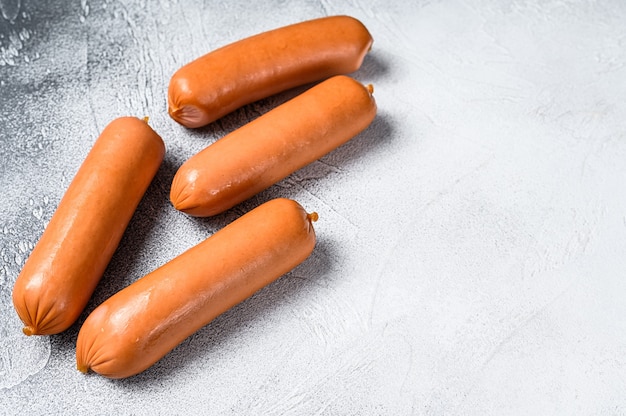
(373, 139)
(123, 267)
(318, 174)
(148, 218)
(243, 115)
(373, 68)
(220, 336)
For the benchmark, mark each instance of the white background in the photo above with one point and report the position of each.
(471, 242)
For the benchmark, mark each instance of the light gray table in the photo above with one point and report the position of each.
(471, 242)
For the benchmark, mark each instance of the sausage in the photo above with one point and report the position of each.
(61, 273)
(262, 65)
(274, 145)
(140, 324)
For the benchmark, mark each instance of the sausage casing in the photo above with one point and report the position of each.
(61, 273)
(140, 324)
(262, 65)
(274, 145)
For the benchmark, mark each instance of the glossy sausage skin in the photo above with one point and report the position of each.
(276, 144)
(265, 64)
(69, 259)
(140, 324)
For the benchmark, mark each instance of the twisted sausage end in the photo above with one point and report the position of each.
(82, 367)
(28, 330)
(189, 116)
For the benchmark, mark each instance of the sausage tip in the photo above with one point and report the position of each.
(180, 198)
(182, 194)
(312, 217)
(188, 115)
(82, 367)
(186, 208)
(28, 330)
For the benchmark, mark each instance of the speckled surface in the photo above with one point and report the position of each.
(471, 242)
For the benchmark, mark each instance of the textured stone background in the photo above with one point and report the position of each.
(471, 243)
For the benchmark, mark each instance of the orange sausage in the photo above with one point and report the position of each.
(262, 65)
(140, 324)
(69, 259)
(266, 150)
